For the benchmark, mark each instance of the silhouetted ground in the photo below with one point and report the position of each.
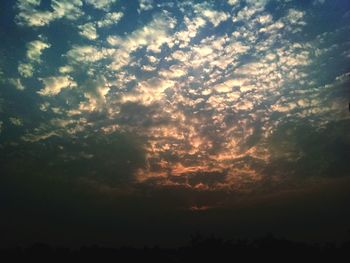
(200, 249)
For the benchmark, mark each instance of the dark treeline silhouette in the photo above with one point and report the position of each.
(200, 249)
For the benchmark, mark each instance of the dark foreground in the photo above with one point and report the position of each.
(200, 249)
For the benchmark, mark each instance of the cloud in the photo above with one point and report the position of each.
(16, 121)
(174, 72)
(265, 19)
(207, 100)
(152, 36)
(25, 70)
(88, 30)
(101, 4)
(35, 49)
(259, 3)
(110, 19)
(229, 85)
(86, 54)
(146, 5)
(39, 137)
(33, 55)
(149, 91)
(295, 16)
(17, 83)
(54, 85)
(69, 9)
(310, 152)
(246, 13)
(232, 2)
(343, 78)
(235, 90)
(271, 29)
(66, 69)
(214, 17)
(183, 38)
(148, 68)
(30, 15)
(95, 91)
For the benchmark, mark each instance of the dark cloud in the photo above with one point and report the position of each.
(109, 159)
(301, 150)
(137, 115)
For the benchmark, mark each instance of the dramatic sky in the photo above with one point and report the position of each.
(144, 121)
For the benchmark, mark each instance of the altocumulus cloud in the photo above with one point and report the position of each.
(218, 95)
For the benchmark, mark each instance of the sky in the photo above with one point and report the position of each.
(144, 121)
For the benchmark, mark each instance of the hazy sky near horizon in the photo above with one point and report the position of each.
(187, 107)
